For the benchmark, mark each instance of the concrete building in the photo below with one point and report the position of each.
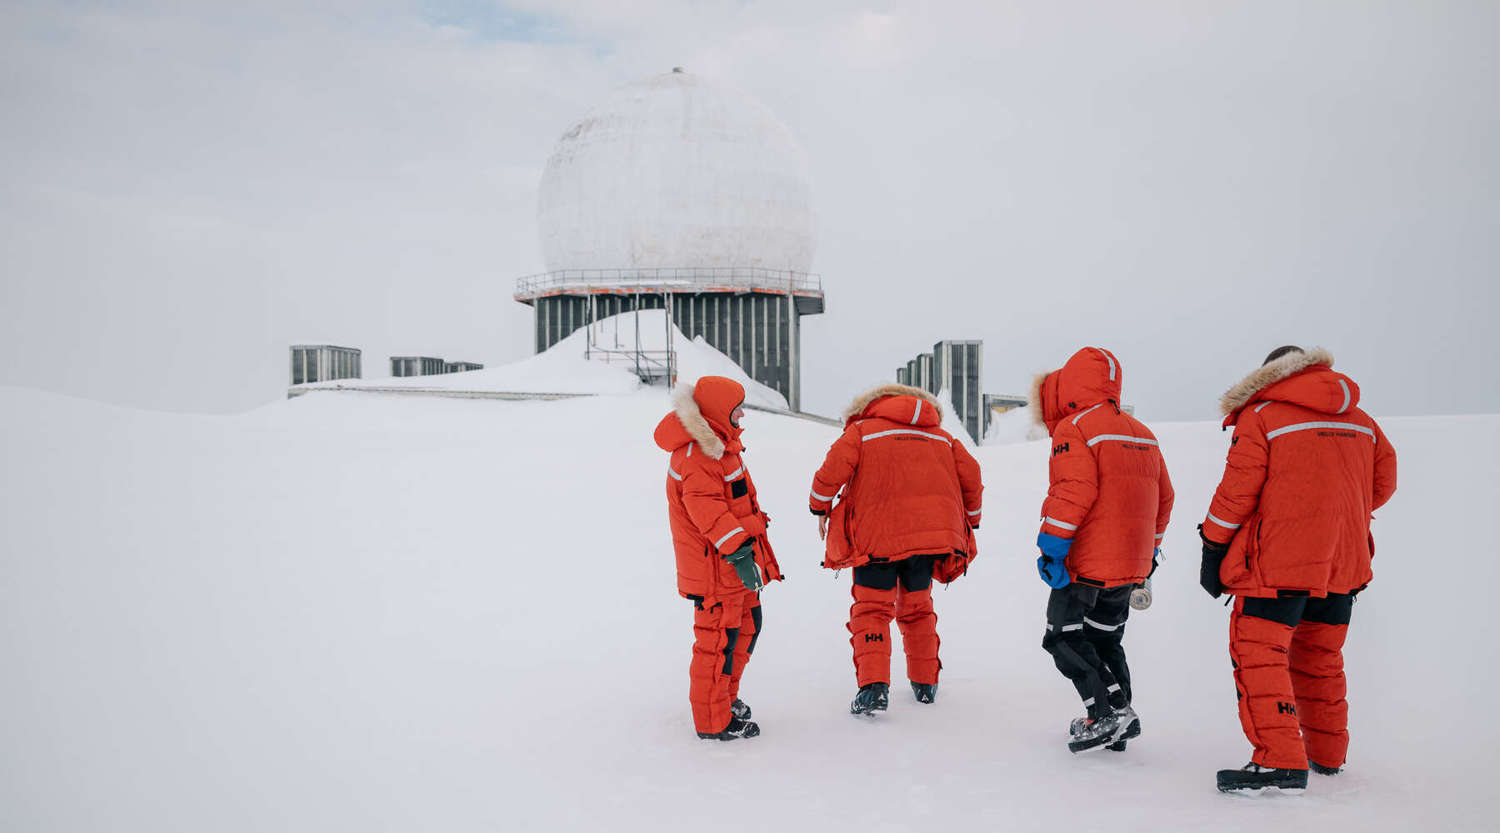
(955, 368)
(678, 194)
(417, 366)
(324, 362)
(461, 367)
(958, 368)
(919, 370)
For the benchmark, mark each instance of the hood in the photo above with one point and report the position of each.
(700, 413)
(898, 403)
(1092, 375)
(1306, 379)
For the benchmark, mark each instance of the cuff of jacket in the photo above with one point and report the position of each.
(1216, 532)
(1053, 546)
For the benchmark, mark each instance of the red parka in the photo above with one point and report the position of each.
(908, 487)
(711, 503)
(1306, 468)
(1110, 493)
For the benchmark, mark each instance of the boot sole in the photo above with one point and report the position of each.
(1232, 787)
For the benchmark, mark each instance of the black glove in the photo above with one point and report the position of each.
(1208, 573)
(743, 562)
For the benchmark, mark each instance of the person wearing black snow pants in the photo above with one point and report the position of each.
(1108, 502)
(1085, 632)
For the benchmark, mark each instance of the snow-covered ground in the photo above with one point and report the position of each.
(383, 613)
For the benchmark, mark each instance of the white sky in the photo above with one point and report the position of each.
(188, 188)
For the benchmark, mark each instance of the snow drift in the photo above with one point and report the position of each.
(570, 367)
(375, 613)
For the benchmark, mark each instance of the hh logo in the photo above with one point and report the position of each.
(1060, 449)
(874, 637)
(1286, 708)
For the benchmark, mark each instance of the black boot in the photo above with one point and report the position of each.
(871, 698)
(736, 729)
(1324, 770)
(926, 692)
(739, 709)
(1253, 776)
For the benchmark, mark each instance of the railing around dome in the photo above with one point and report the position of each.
(681, 279)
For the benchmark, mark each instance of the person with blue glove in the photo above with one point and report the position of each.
(1105, 514)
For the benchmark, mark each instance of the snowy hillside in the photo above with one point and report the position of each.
(345, 613)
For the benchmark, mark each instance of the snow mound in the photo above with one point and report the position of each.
(597, 359)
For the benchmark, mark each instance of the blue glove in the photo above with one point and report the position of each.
(1050, 564)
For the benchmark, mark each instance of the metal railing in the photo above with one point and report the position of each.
(650, 366)
(681, 279)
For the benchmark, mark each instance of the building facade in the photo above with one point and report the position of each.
(753, 316)
(417, 366)
(324, 362)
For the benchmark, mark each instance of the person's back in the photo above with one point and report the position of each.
(903, 493)
(1108, 503)
(1308, 482)
(910, 500)
(1288, 534)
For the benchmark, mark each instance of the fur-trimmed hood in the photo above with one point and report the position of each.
(864, 400)
(1269, 374)
(687, 422)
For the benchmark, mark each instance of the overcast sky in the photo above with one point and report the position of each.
(188, 188)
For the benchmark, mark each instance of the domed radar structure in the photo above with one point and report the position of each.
(681, 195)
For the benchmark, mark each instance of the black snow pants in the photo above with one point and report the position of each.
(1085, 628)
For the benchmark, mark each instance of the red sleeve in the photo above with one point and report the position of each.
(703, 498)
(1165, 498)
(1244, 474)
(969, 482)
(1385, 468)
(1074, 475)
(838, 467)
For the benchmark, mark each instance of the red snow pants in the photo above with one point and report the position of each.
(900, 590)
(724, 632)
(1289, 674)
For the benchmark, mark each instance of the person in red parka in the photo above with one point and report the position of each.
(910, 505)
(1288, 535)
(1102, 523)
(723, 554)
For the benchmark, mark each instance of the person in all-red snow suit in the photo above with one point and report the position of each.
(910, 505)
(723, 554)
(1288, 535)
(1102, 523)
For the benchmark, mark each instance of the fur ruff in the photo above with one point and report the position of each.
(1263, 377)
(691, 417)
(1034, 404)
(863, 401)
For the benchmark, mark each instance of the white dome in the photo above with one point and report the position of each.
(676, 172)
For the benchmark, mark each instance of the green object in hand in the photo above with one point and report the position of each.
(743, 562)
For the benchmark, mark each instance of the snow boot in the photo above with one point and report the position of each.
(1253, 776)
(1324, 770)
(871, 698)
(739, 709)
(1130, 727)
(737, 728)
(1092, 733)
(925, 692)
